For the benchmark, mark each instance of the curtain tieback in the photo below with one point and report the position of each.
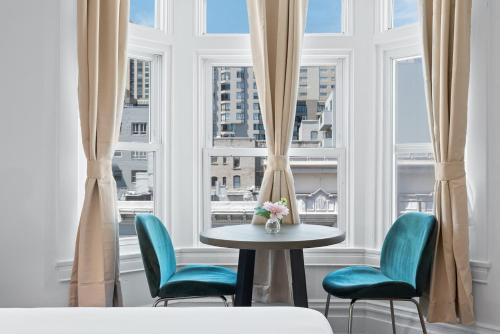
(451, 170)
(98, 169)
(278, 162)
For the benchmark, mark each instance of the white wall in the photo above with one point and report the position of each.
(29, 39)
(40, 180)
(39, 167)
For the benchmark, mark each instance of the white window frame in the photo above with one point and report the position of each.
(159, 128)
(201, 24)
(326, 57)
(388, 55)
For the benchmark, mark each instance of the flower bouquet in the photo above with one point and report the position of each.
(274, 212)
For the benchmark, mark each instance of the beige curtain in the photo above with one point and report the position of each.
(102, 39)
(446, 42)
(276, 31)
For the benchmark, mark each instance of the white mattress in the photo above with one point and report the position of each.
(182, 320)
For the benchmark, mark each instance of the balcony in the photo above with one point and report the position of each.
(326, 120)
(327, 142)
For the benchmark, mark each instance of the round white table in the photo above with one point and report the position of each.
(250, 237)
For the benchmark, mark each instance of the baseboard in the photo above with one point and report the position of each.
(373, 317)
(370, 317)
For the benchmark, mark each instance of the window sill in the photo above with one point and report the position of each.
(131, 261)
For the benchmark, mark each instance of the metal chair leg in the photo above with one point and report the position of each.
(392, 318)
(165, 304)
(224, 299)
(351, 308)
(327, 306)
(420, 315)
(159, 300)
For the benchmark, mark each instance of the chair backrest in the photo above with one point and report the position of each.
(157, 251)
(408, 249)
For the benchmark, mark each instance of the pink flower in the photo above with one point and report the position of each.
(276, 210)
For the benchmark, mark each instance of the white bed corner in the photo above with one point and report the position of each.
(181, 320)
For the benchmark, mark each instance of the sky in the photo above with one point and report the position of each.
(230, 16)
(405, 12)
(142, 12)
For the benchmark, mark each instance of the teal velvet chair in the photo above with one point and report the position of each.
(164, 280)
(404, 273)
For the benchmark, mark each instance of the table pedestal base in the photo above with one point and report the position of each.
(244, 281)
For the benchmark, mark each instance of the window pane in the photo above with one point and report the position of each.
(135, 126)
(134, 175)
(234, 193)
(236, 115)
(410, 108)
(415, 182)
(226, 17)
(404, 12)
(324, 16)
(142, 12)
(231, 17)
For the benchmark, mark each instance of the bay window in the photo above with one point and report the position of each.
(317, 154)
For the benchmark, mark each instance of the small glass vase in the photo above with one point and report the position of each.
(273, 226)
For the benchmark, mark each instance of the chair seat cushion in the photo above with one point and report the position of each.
(363, 282)
(199, 281)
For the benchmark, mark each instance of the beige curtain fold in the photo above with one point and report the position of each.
(276, 31)
(102, 56)
(446, 45)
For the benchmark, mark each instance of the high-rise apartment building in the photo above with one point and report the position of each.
(138, 82)
(236, 109)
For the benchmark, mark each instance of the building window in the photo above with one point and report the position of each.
(134, 174)
(139, 128)
(225, 97)
(224, 181)
(256, 106)
(214, 160)
(255, 96)
(236, 181)
(225, 86)
(240, 84)
(236, 162)
(224, 161)
(117, 154)
(240, 95)
(225, 106)
(240, 116)
(214, 181)
(314, 135)
(139, 155)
